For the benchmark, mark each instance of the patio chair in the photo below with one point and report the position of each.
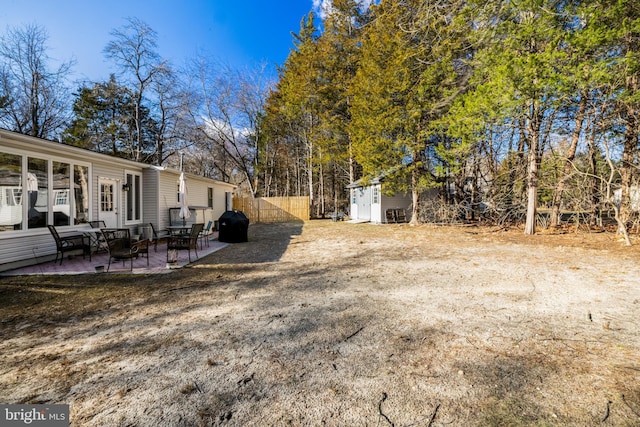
(97, 224)
(205, 233)
(187, 242)
(70, 243)
(143, 248)
(390, 216)
(157, 235)
(401, 215)
(121, 248)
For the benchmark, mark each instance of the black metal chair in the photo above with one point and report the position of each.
(401, 215)
(187, 242)
(70, 243)
(391, 216)
(120, 246)
(157, 235)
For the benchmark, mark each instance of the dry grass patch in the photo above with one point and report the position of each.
(328, 323)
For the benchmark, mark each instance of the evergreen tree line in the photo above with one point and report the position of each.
(512, 111)
(515, 111)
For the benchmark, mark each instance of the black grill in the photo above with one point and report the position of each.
(233, 227)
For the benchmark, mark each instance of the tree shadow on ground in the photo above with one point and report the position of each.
(267, 243)
(59, 297)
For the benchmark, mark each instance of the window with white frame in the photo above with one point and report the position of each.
(133, 188)
(36, 192)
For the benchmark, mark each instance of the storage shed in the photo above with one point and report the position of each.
(370, 204)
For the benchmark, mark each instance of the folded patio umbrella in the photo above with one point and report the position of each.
(185, 213)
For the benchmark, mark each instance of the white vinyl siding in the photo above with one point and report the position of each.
(157, 192)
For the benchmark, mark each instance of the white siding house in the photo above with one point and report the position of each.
(44, 182)
(208, 199)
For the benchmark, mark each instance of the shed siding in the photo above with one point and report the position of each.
(353, 212)
(397, 201)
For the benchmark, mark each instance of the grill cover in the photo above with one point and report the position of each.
(233, 227)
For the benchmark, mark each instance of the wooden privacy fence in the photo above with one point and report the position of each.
(273, 209)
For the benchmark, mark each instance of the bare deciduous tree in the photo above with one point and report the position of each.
(171, 110)
(35, 96)
(133, 49)
(227, 119)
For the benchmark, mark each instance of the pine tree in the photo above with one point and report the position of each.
(104, 121)
(336, 63)
(409, 76)
(298, 91)
(524, 57)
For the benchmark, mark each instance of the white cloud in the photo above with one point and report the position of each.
(324, 7)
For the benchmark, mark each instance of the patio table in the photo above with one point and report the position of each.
(94, 235)
(179, 229)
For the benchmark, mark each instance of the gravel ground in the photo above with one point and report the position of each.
(323, 323)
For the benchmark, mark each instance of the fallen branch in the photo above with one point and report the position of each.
(384, 397)
(629, 406)
(354, 334)
(607, 412)
(433, 416)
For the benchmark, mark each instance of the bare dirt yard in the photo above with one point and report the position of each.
(323, 323)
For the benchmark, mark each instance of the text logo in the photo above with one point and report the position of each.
(34, 415)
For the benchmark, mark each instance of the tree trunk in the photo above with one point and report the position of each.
(352, 174)
(626, 171)
(532, 188)
(532, 172)
(321, 185)
(515, 166)
(569, 157)
(310, 172)
(622, 226)
(595, 181)
(415, 196)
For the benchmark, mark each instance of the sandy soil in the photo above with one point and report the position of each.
(340, 324)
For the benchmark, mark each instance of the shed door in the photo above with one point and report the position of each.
(108, 206)
(364, 203)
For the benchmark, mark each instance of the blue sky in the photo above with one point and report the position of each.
(242, 33)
